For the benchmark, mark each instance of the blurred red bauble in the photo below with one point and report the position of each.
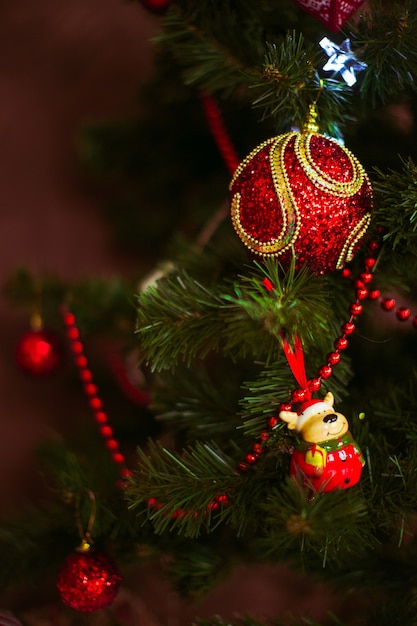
(88, 581)
(332, 13)
(301, 192)
(38, 352)
(156, 6)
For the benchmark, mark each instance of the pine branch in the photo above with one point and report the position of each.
(181, 319)
(281, 76)
(205, 404)
(389, 44)
(182, 489)
(396, 211)
(329, 529)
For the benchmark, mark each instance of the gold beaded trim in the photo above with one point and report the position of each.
(322, 180)
(289, 211)
(355, 235)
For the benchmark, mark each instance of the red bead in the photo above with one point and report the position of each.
(355, 308)
(267, 284)
(366, 277)
(359, 284)
(100, 417)
(96, 404)
(178, 513)
(325, 371)
(285, 406)
(369, 263)
(88, 581)
(272, 422)
(264, 436)
(81, 361)
(361, 293)
(86, 376)
(106, 431)
(374, 294)
(112, 444)
(152, 502)
(77, 347)
(346, 273)
(257, 448)
(223, 499)
(341, 343)
(90, 389)
(388, 304)
(69, 319)
(38, 353)
(73, 333)
(403, 313)
(299, 395)
(333, 358)
(126, 473)
(348, 328)
(374, 246)
(243, 467)
(118, 458)
(251, 458)
(314, 384)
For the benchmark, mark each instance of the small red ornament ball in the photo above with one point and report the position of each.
(301, 192)
(38, 352)
(156, 6)
(88, 581)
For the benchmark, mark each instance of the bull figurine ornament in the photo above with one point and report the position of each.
(327, 458)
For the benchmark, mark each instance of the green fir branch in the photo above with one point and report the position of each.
(182, 488)
(289, 82)
(180, 319)
(388, 39)
(205, 404)
(327, 530)
(397, 207)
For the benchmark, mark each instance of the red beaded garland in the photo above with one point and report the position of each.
(92, 392)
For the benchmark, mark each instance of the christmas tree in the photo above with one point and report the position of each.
(250, 395)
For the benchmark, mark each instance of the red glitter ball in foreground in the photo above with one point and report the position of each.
(38, 352)
(304, 192)
(88, 581)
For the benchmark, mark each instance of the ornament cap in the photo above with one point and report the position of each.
(311, 125)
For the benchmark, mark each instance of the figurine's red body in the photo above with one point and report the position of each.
(329, 465)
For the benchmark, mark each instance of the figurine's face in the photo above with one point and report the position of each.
(323, 426)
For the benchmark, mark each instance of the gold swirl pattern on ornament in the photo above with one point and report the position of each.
(355, 236)
(289, 212)
(321, 179)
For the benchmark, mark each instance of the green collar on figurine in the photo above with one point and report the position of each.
(330, 445)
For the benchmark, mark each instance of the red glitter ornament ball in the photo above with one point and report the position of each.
(301, 192)
(156, 6)
(88, 581)
(38, 352)
(332, 13)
